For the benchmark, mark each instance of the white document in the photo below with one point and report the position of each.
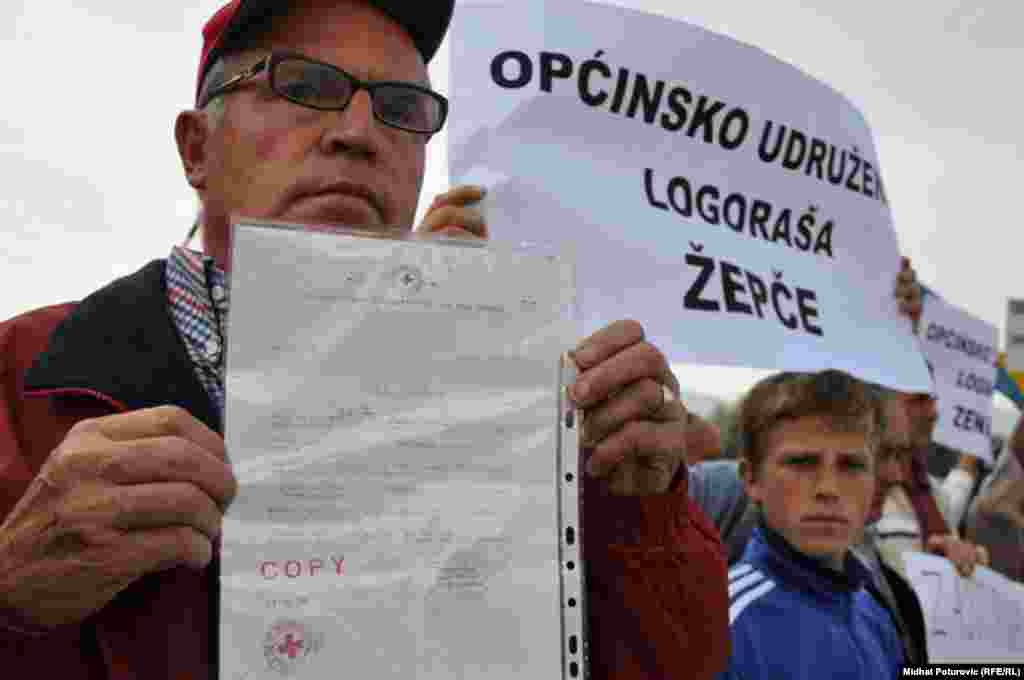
(962, 351)
(976, 619)
(392, 419)
(724, 199)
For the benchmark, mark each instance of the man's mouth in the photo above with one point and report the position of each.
(342, 202)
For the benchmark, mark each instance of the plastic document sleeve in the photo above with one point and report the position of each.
(573, 570)
(407, 461)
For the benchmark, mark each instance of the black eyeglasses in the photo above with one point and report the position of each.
(326, 87)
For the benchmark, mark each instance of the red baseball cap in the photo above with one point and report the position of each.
(239, 21)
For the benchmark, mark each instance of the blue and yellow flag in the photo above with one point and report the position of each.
(1010, 385)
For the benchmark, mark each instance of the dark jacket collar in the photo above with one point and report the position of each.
(122, 343)
(803, 572)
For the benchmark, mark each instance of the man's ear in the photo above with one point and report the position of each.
(192, 134)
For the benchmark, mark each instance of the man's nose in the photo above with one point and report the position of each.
(352, 130)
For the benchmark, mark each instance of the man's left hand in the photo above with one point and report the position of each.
(633, 420)
(455, 213)
(963, 554)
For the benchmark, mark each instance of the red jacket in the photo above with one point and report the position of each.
(657, 598)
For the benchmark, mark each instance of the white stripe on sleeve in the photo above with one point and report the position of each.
(749, 597)
(739, 570)
(738, 585)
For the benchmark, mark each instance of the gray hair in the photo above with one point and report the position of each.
(214, 112)
(215, 77)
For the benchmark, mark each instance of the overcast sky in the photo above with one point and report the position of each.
(95, 188)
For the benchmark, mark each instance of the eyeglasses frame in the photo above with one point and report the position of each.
(271, 60)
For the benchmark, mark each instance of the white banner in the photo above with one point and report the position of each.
(723, 198)
(962, 352)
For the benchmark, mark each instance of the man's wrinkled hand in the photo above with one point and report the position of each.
(908, 293)
(455, 214)
(122, 496)
(634, 424)
(963, 554)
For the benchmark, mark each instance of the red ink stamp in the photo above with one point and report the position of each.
(289, 644)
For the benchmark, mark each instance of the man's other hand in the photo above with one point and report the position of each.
(963, 554)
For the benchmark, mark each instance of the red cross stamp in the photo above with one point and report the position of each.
(289, 644)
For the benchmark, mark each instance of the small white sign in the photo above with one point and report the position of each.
(723, 198)
(962, 351)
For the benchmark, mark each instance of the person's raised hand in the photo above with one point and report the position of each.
(455, 214)
(122, 496)
(908, 293)
(963, 554)
(634, 424)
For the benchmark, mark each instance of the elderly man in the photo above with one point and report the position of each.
(113, 474)
(916, 512)
(911, 510)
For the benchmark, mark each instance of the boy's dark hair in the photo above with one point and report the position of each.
(849, 404)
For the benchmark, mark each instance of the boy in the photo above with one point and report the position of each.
(800, 604)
